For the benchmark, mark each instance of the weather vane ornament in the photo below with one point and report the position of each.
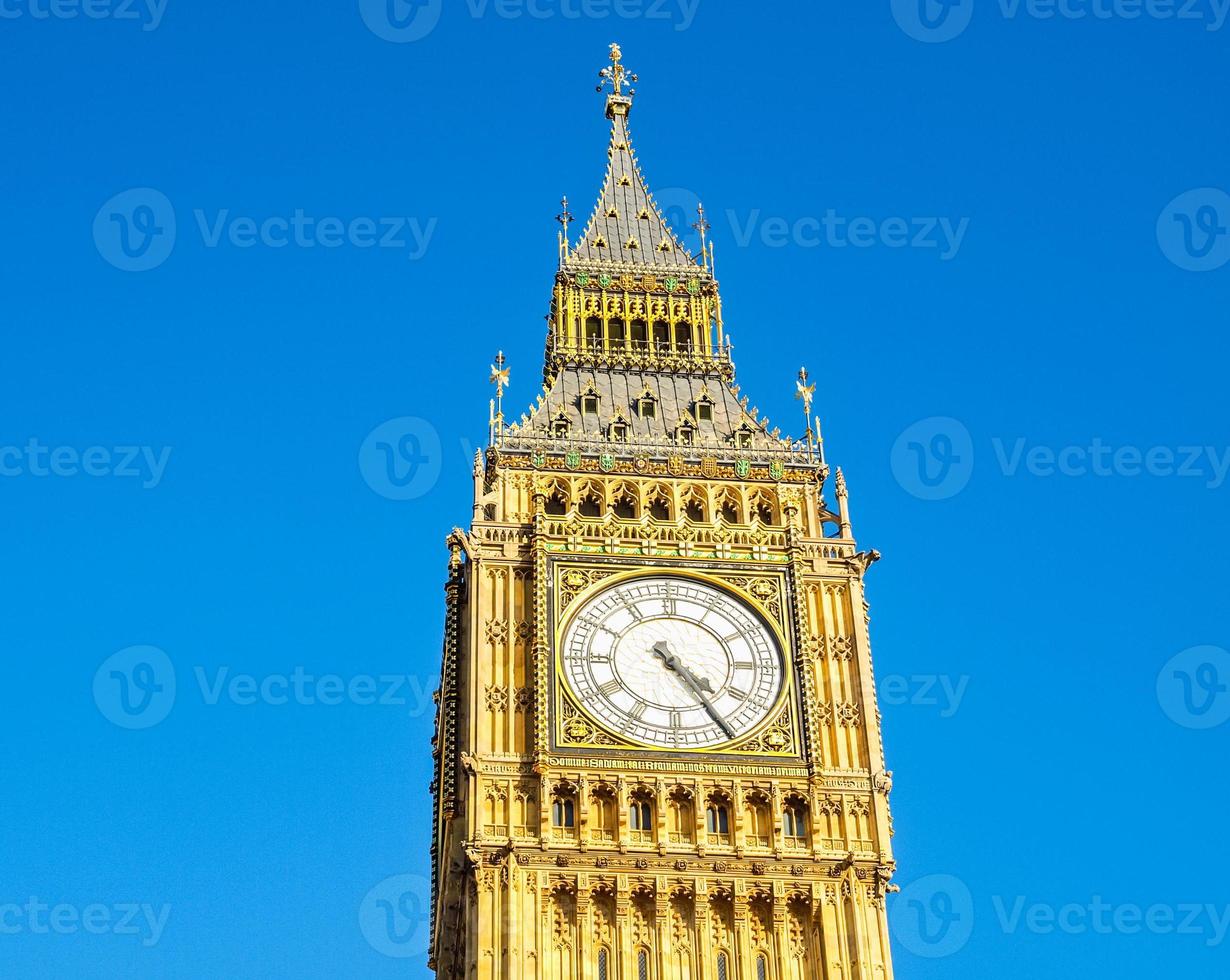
(806, 392)
(499, 378)
(616, 75)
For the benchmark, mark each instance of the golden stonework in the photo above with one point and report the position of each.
(657, 750)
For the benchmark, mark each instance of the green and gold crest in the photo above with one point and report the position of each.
(573, 459)
(606, 462)
(742, 468)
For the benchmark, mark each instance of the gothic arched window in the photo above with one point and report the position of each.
(563, 813)
(794, 823)
(640, 819)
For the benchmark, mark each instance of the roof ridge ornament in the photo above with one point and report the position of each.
(617, 76)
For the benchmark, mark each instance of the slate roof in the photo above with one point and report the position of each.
(637, 218)
(676, 396)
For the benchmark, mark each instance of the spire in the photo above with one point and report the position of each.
(627, 227)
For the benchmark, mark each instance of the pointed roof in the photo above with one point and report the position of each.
(627, 226)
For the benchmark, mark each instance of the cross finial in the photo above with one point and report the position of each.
(616, 75)
(702, 225)
(565, 219)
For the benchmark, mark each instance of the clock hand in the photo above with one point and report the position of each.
(662, 651)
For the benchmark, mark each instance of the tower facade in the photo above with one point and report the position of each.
(658, 749)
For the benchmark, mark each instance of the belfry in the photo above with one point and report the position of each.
(658, 752)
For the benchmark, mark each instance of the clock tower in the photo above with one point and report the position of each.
(658, 751)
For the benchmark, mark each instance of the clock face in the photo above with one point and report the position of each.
(672, 662)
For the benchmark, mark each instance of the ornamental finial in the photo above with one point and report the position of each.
(499, 378)
(617, 76)
(702, 225)
(565, 218)
(806, 392)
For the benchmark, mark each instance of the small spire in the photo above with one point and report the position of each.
(499, 378)
(565, 218)
(702, 226)
(617, 76)
(806, 392)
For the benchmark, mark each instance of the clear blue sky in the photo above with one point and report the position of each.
(1072, 313)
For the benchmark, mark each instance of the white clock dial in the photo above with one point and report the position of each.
(672, 662)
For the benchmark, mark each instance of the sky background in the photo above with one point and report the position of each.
(1034, 625)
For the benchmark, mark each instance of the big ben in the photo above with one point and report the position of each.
(658, 751)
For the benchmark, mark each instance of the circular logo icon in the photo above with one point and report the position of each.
(933, 21)
(1194, 687)
(401, 459)
(1194, 230)
(679, 207)
(934, 917)
(135, 688)
(934, 459)
(135, 230)
(401, 21)
(395, 916)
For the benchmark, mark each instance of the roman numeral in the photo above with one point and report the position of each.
(637, 711)
(610, 687)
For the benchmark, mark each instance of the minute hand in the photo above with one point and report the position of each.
(694, 684)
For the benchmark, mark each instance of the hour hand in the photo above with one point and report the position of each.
(663, 652)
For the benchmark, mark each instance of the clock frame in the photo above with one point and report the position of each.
(761, 592)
